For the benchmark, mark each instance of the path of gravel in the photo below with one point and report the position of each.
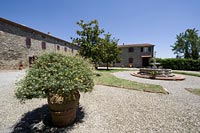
(175, 88)
(106, 109)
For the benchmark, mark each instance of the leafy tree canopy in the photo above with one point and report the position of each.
(89, 40)
(110, 51)
(93, 46)
(187, 44)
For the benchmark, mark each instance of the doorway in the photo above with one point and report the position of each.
(145, 61)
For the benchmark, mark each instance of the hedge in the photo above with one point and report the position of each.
(179, 64)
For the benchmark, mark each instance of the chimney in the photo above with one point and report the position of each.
(49, 33)
(123, 43)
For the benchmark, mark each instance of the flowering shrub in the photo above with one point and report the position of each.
(54, 73)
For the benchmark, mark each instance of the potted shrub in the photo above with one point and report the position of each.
(153, 74)
(58, 78)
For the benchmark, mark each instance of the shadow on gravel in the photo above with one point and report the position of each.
(39, 120)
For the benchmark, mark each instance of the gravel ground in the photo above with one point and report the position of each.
(175, 88)
(107, 109)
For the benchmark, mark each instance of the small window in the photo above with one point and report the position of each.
(145, 49)
(65, 49)
(43, 45)
(28, 42)
(58, 47)
(141, 49)
(149, 49)
(43, 36)
(130, 60)
(131, 49)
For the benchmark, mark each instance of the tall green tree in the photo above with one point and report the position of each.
(110, 51)
(89, 40)
(187, 44)
(95, 47)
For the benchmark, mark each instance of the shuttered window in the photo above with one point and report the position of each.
(28, 42)
(149, 49)
(65, 49)
(58, 47)
(131, 49)
(43, 45)
(130, 60)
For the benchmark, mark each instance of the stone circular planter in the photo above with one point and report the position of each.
(63, 111)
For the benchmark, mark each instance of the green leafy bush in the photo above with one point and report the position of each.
(179, 64)
(54, 73)
(154, 73)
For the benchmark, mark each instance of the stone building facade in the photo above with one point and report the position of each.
(20, 44)
(135, 55)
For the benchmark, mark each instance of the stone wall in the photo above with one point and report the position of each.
(136, 55)
(14, 48)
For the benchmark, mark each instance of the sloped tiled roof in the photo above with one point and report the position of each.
(135, 45)
(26, 28)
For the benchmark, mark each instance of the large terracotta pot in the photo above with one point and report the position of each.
(63, 111)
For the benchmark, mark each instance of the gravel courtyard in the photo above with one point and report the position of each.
(107, 109)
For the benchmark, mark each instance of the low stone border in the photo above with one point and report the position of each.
(176, 78)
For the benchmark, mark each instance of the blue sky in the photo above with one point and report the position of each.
(132, 21)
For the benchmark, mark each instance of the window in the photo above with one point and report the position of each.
(58, 47)
(130, 60)
(28, 42)
(43, 36)
(43, 45)
(65, 49)
(145, 49)
(149, 49)
(141, 49)
(1, 31)
(131, 49)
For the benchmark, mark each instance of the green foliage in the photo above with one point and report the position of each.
(92, 46)
(108, 79)
(187, 73)
(109, 50)
(154, 73)
(54, 73)
(187, 44)
(89, 40)
(179, 64)
(195, 91)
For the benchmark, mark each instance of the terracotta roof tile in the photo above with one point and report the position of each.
(32, 30)
(135, 45)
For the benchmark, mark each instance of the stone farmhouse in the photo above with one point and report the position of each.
(20, 44)
(135, 55)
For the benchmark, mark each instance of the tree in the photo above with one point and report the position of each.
(89, 40)
(92, 46)
(187, 44)
(109, 49)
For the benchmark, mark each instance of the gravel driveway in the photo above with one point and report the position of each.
(107, 109)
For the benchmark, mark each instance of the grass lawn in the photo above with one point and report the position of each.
(114, 70)
(187, 73)
(194, 91)
(104, 77)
